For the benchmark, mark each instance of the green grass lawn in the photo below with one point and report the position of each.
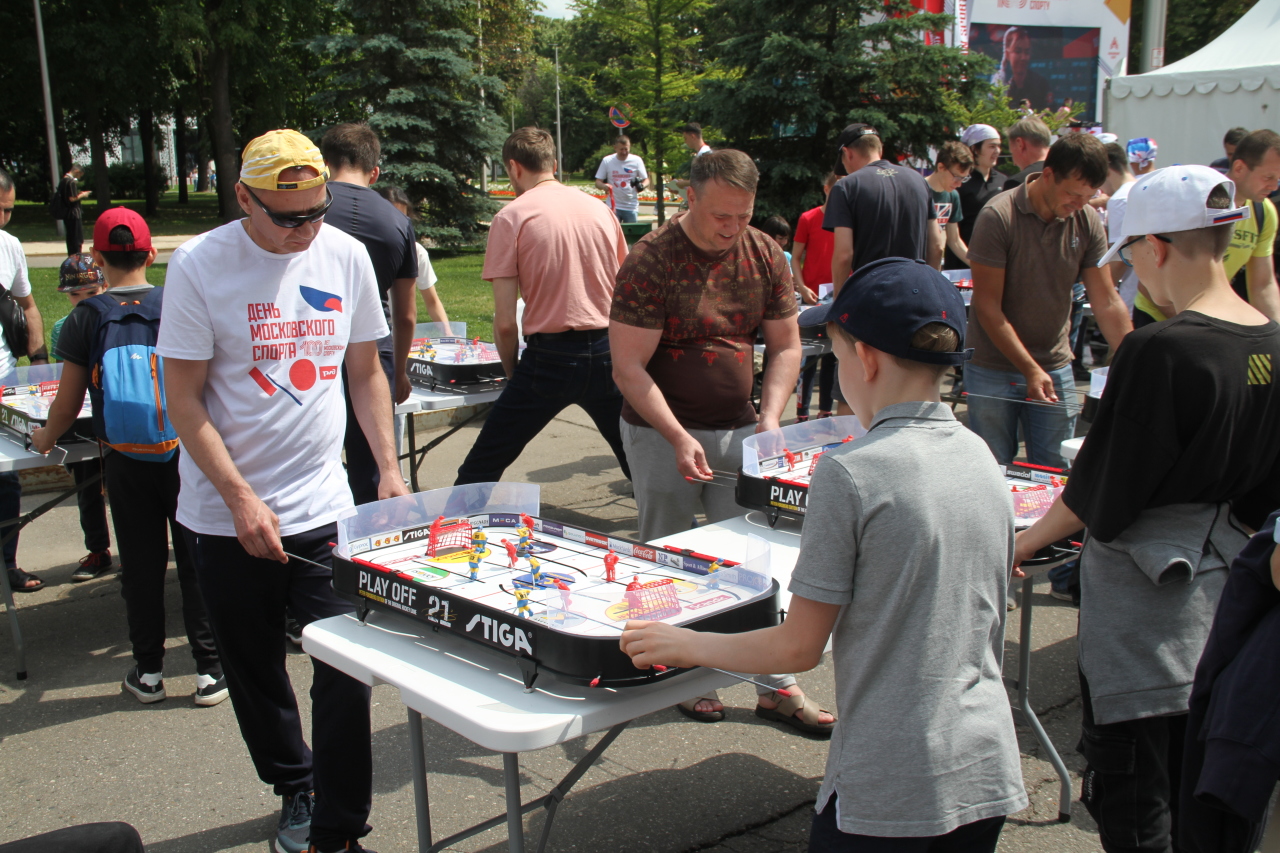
(31, 220)
(465, 295)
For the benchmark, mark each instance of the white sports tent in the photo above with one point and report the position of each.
(1188, 106)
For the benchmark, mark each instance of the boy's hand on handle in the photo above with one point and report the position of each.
(1022, 550)
(258, 529)
(42, 441)
(656, 643)
(1040, 387)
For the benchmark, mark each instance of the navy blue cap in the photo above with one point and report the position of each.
(887, 301)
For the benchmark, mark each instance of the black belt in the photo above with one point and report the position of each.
(574, 335)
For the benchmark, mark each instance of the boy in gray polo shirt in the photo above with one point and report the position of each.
(925, 746)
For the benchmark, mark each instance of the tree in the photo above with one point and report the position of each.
(657, 71)
(795, 72)
(1189, 26)
(405, 66)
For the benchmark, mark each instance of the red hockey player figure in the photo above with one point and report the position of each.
(611, 566)
(527, 521)
(473, 563)
(633, 595)
(791, 459)
(435, 528)
(535, 569)
(512, 552)
(565, 600)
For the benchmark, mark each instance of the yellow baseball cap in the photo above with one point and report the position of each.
(275, 151)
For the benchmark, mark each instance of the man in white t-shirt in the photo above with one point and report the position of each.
(623, 176)
(259, 317)
(13, 278)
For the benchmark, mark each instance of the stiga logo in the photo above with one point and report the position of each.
(500, 634)
(413, 534)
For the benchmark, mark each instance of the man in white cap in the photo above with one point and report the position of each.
(1179, 460)
(984, 182)
(259, 317)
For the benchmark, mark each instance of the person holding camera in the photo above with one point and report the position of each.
(622, 176)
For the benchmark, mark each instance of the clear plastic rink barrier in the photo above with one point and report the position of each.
(451, 329)
(32, 374)
(766, 445)
(425, 507)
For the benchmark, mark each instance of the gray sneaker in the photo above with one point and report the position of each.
(294, 827)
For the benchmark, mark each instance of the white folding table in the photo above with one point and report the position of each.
(479, 695)
(14, 456)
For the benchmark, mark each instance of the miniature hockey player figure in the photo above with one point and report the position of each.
(527, 521)
(535, 569)
(791, 459)
(633, 597)
(512, 551)
(522, 603)
(473, 563)
(522, 547)
(565, 600)
(479, 539)
(434, 532)
(713, 575)
(611, 566)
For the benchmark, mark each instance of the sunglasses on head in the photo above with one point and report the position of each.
(293, 220)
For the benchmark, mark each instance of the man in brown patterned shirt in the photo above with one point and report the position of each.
(689, 301)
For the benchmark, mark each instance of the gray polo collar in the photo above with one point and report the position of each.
(916, 411)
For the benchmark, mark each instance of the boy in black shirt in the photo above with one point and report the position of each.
(1181, 456)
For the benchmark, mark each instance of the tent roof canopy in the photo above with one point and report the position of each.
(1246, 56)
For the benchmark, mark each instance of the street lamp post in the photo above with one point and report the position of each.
(48, 104)
(559, 142)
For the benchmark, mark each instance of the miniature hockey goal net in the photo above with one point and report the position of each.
(448, 536)
(653, 600)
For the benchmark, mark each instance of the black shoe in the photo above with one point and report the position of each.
(211, 694)
(293, 630)
(349, 847)
(95, 565)
(294, 826)
(146, 693)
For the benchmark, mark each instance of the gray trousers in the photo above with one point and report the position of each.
(668, 502)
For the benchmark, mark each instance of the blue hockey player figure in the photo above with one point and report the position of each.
(522, 603)
(473, 563)
(535, 569)
(713, 575)
(479, 540)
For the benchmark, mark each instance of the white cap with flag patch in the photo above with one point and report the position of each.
(1175, 199)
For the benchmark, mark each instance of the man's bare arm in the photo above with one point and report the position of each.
(631, 348)
(35, 329)
(506, 331)
(404, 316)
(1108, 308)
(371, 401)
(65, 408)
(257, 527)
(435, 308)
(783, 350)
(988, 299)
(1260, 278)
(956, 243)
(841, 257)
(934, 251)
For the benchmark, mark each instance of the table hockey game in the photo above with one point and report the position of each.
(444, 356)
(25, 401)
(551, 596)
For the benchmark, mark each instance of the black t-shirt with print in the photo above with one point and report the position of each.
(888, 208)
(1190, 414)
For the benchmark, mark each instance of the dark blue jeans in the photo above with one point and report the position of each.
(550, 377)
(362, 469)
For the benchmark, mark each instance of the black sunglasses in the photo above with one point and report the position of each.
(293, 220)
(1126, 255)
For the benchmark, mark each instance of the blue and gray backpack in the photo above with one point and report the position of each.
(126, 385)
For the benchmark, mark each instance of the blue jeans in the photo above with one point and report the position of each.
(626, 215)
(997, 422)
(10, 508)
(551, 376)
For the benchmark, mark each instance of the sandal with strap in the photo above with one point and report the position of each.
(689, 706)
(20, 581)
(795, 711)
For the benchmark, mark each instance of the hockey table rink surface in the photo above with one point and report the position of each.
(448, 350)
(592, 606)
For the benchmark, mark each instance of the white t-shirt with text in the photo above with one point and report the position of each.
(618, 175)
(13, 277)
(427, 277)
(1115, 221)
(274, 329)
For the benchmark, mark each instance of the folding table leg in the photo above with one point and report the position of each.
(515, 811)
(1024, 703)
(19, 645)
(418, 762)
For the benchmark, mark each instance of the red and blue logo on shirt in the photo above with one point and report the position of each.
(321, 300)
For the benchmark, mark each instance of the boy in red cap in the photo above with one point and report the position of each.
(144, 491)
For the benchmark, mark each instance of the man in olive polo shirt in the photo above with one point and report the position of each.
(1030, 245)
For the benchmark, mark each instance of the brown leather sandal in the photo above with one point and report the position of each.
(688, 707)
(795, 711)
